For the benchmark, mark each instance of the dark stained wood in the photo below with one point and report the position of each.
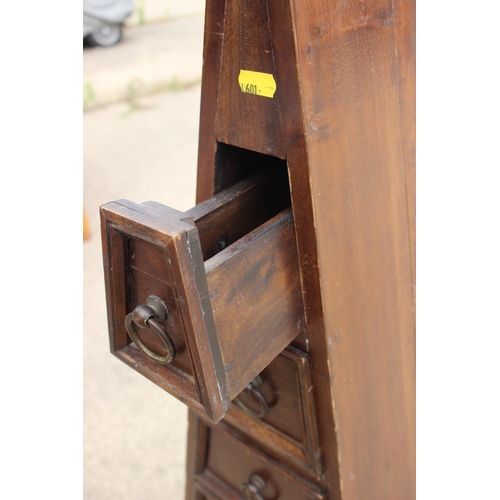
(115, 253)
(245, 120)
(342, 122)
(234, 164)
(361, 342)
(282, 20)
(197, 453)
(234, 212)
(404, 27)
(256, 299)
(212, 48)
(202, 493)
(222, 339)
(165, 260)
(288, 431)
(149, 275)
(231, 460)
(346, 77)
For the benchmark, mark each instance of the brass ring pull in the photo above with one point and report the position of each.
(251, 490)
(253, 389)
(150, 315)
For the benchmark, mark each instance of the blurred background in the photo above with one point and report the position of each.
(141, 97)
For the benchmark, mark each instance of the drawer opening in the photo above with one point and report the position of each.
(233, 164)
(234, 212)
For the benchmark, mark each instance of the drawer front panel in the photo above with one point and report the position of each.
(149, 275)
(279, 414)
(146, 255)
(235, 469)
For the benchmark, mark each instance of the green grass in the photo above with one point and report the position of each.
(135, 89)
(134, 92)
(88, 95)
(141, 14)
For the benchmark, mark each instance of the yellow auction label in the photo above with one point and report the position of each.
(253, 82)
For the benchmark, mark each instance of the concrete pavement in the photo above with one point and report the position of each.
(154, 11)
(140, 149)
(150, 58)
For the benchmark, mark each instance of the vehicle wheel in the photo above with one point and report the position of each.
(106, 36)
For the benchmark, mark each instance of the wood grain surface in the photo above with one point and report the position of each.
(289, 429)
(361, 331)
(346, 77)
(207, 146)
(146, 253)
(228, 317)
(249, 121)
(230, 459)
(256, 299)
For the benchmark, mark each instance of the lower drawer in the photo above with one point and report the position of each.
(277, 411)
(230, 467)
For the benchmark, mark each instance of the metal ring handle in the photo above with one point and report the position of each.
(251, 490)
(146, 316)
(252, 388)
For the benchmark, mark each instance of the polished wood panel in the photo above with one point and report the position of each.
(246, 120)
(258, 311)
(354, 245)
(146, 254)
(405, 26)
(288, 430)
(212, 48)
(229, 461)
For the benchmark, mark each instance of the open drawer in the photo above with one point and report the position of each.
(201, 302)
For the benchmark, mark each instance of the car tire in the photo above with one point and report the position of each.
(106, 36)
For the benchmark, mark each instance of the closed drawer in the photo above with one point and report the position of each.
(230, 467)
(277, 411)
(200, 302)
